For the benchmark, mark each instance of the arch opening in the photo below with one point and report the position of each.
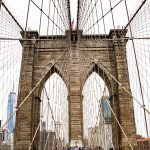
(97, 127)
(54, 128)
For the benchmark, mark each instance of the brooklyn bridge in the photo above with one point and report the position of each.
(75, 75)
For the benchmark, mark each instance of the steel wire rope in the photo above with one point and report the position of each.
(134, 24)
(140, 7)
(59, 15)
(7, 77)
(119, 124)
(134, 88)
(82, 12)
(65, 24)
(104, 69)
(86, 59)
(40, 120)
(108, 59)
(9, 26)
(115, 34)
(47, 16)
(30, 146)
(144, 75)
(48, 133)
(91, 12)
(87, 11)
(146, 126)
(5, 94)
(66, 9)
(90, 90)
(6, 62)
(20, 105)
(100, 111)
(5, 17)
(103, 16)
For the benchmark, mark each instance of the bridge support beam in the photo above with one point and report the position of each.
(23, 128)
(33, 64)
(75, 101)
(125, 101)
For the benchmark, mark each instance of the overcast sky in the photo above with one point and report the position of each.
(19, 8)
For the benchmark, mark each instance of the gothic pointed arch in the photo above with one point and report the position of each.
(54, 69)
(93, 67)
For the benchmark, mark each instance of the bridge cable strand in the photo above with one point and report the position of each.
(121, 127)
(86, 58)
(37, 129)
(51, 110)
(24, 100)
(27, 21)
(9, 27)
(94, 33)
(61, 20)
(90, 27)
(52, 20)
(137, 67)
(92, 88)
(140, 30)
(49, 107)
(97, 121)
(122, 86)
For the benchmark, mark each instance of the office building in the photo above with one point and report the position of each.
(10, 109)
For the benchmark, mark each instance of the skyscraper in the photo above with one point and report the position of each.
(10, 110)
(105, 102)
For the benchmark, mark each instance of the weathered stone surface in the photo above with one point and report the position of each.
(78, 59)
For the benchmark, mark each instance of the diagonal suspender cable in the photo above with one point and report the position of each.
(47, 16)
(103, 16)
(132, 18)
(24, 100)
(120, 126)
(103, 68)
(51, 113)
(100, 112)
(123, 87)
(137, 67)
(2, 3)
(52, 117)
(36, 131)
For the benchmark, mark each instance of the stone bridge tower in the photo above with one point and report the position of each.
(39, 63)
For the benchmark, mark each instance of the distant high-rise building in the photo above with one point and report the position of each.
(10, 110)
(5, 136)
(43, 126)
(101, 135)
(105, 104)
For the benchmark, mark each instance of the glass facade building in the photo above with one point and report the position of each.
(105, 102)
(10, 110)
